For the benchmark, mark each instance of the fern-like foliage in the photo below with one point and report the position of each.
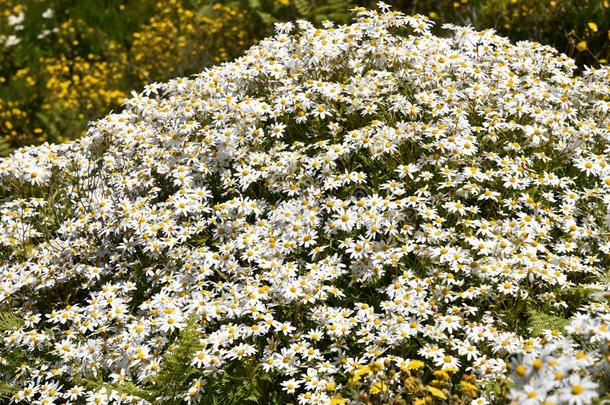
(9, 321)
(173, 380)
(170, 385)
(241, 381)
(539, 321)
(128, 388)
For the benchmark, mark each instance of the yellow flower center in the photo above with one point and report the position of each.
(577, 389)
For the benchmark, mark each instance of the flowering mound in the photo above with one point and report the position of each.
(357, 214)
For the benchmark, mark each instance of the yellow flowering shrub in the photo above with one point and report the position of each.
(176, 40)
(70, 78)
(57, 93)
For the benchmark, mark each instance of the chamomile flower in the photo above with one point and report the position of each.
(579, 391)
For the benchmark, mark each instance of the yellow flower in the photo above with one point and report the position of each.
(415, 365)
(442, 374)
(592, 26)
(581, 46)
(436, 392)
(378, 387)
(362, 370)
(337, 400)
(468, 388)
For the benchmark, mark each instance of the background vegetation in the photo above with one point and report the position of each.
(64, 63)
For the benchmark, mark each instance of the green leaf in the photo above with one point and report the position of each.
(48, 124)
(303, 7)
(5, 148)
(266, 18)
(254, 4)
(176, 374)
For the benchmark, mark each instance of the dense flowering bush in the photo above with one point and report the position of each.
(358, 214)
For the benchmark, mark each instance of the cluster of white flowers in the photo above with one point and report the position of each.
(335, 203)
(554, 374)
(15, 23)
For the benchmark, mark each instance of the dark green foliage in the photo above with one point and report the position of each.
(244, 383)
